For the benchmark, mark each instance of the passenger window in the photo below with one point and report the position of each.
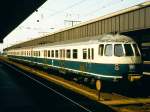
(89, 53)
(128, 50)
(75, 53)
(101, 48)
(68, 53)
(56, 53)
(108, 50)
(61, 53)
(136, 50)
(84, 53)
(92, 50)
(52, 53)
(49, 53)
(39, 54)
(45, 53)
(118, 50)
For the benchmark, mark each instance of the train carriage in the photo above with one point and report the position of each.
(106, 57)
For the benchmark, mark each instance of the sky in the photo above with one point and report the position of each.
(55, 14)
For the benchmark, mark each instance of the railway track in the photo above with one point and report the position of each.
(44, 85)
(111, 99)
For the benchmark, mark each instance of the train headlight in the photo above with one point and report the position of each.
(131, 67)
(116, 67)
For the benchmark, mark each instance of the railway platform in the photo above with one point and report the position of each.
(138, 101)
(20, 93)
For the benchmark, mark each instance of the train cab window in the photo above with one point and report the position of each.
(101, 48)
(118, 50)
(128, 50)
(75, 53)
(108, 50)
(137, 53)
(49, 53)
(68, 53)
(52, 53)
(84, 53)
(56, 53)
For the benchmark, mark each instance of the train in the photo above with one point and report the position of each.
(108, 57)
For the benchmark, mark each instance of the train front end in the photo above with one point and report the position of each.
(122, 58)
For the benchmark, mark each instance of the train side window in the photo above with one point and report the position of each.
(75, 53)
(33, 53)
(56, 53)
(128, 50)
(49, 53)
(63, 53)
(92, 51)
(108, 50)
(60, 53)
(45, 53)
(101, 48)
(39, 54)
(137, 53)
(118, 50)
(52, 53)
(29, 53)
(89, 53)
(68, 53)
(84, 53)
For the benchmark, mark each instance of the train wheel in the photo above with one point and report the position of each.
(98, 85)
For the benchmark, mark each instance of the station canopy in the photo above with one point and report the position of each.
(13, 12)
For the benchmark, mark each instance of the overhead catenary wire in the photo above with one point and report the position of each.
(102, 7)
(69, 7)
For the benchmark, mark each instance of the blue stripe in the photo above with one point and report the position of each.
(95, 68)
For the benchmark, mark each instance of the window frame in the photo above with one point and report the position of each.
(101, 53)
(123, 53)
(84, 53)
(111, 50)
(68, 53)
(75, 53)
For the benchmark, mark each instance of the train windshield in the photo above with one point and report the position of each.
(137, 53)
(128, 50)
(108, 50)
(118, 50)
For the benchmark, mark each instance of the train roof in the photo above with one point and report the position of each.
(107, 38)
(115, 38)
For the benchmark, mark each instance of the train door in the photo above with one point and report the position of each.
(90, 58)
(62, 57)
(45, 56)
